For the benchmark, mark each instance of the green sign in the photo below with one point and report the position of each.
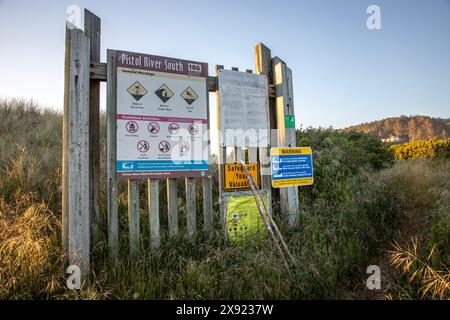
(243, 217)
(289, 121)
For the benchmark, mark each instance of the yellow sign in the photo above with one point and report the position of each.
(235, 178)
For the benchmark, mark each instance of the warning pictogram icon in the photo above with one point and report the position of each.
(137, 90)
(132, 126)
(164, 146)
(153, 127)
(174, 128)
(143, 146)
(184, 147)
(189, 95)
(164, 93)
(193, 129)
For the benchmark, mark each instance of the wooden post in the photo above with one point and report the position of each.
(282, 76)
(222, 155)
(172, 206)
(65, 151)
(208, 220)
(76, 151)
(153, 205)
(92, 29)
(191, 220)
(111, 156)
(133, 217)
(263, 65)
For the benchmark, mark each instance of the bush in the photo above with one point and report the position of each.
(432, 149)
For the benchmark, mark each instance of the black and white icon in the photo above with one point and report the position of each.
(143, 146)
(132, 126)
(184, 147)
(193, 129)
(164, 146)
(137, 90)
(164, 93)
(189, 95)
(153, 127)
(174, 128)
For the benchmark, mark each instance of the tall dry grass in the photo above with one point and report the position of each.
(347, 218)
(30, 254)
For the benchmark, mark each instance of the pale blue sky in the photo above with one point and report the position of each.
(343, 73)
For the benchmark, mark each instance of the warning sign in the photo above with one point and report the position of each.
(236, 179)
(189, 95)
(291, 167)
(137, 91)
(164, 93)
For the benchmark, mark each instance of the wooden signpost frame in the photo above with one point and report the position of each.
(81, 154)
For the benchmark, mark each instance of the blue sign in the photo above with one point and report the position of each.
(291, 167)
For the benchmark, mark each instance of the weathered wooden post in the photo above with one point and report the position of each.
(263, 65)
(222, 155)
(133, 217)
(282, 76)
(111, 156)
(76, 204)
(281, 108)
(191, 208)
(92, 29)
(153, 205)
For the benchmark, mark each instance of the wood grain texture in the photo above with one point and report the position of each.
(133, 217)
(222, 158)
(289, 203)
(78, 152)
(153, 205)
(172, 207)
(191, 208)
(263, 65)
(92, 29)
(111, 156)
(208, 219)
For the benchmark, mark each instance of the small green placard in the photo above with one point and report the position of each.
(289, 121)
(243, 218)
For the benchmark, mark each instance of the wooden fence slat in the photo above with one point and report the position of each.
(239, 154)
(172, 206)
(92, 28)
(133, 217)
(77, 184)
(153, 205)
(252, 155)
(111, 156)
(231, 155)
(191, 214)
(208, 220)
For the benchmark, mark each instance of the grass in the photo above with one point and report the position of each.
(360, 200)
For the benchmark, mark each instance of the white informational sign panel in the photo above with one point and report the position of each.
(161, 117)
(244, 109)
